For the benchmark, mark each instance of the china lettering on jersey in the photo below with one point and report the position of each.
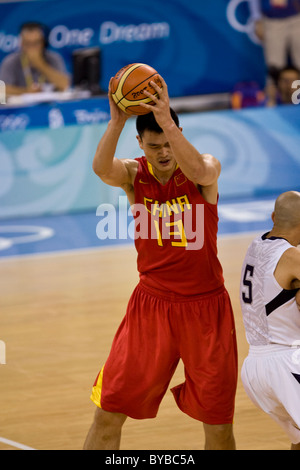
(175, 234)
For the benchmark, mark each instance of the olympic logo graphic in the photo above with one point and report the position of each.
(248, 27)
(24, 234)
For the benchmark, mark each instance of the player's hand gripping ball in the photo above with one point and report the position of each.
(128, 87)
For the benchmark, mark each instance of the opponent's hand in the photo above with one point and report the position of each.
(161, 108)
(117, 115)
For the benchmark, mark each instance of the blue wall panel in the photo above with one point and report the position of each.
(199, 47)
(46, 170)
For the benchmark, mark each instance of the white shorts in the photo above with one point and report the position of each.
(267, 376)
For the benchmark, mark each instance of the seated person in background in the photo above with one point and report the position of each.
(249, 94)
(33, 66)
(282, 90)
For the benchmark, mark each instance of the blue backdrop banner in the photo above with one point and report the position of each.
(198, 47)
(55, 114)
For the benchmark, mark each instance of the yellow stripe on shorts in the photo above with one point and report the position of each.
(97, 389)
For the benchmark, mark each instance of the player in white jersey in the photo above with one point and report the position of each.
(270, 301)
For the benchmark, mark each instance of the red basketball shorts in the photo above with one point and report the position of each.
(157, 331)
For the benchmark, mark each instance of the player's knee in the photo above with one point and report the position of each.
(109, 420)
(219, 436)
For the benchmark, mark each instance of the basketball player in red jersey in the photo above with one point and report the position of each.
(180, 308)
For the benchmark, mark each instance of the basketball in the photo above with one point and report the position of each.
(128, 87)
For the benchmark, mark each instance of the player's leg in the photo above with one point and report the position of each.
(209, 352)
(275, 42)
(105, 432)
(295, 446)
(138, 370)
(268, 375)
(219, 437)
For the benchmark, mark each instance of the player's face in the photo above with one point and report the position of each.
(157, 151)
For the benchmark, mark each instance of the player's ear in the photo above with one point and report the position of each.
(140, 141)
(273, 217)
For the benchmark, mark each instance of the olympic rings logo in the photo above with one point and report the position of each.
(24, 234)
(234, 22)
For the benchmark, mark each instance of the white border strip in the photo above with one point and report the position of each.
(15, 444)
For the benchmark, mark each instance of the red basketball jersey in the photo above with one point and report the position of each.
(175, 234)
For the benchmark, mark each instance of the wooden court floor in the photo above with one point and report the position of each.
(58, 315)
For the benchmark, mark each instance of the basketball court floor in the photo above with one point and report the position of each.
(63, 294)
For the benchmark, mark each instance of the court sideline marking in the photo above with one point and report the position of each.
(15, 444)
(107, 248)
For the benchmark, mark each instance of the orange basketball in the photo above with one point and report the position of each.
(128, 87)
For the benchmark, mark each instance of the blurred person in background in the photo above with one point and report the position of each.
(282, 90)
(33, 68)
(277, 25)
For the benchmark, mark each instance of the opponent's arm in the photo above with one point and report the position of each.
(202, 169)
(296, 282)
(111, 170)
(292, 265)
(298, 298)
(287, 272)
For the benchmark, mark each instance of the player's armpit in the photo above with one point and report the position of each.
(120, 173)
(294, 259)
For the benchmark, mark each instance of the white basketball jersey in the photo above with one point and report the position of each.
(270, 313)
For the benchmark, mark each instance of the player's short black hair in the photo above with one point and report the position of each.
(148, 122)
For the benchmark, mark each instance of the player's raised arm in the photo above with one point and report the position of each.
(202, 169)
(111, 170)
